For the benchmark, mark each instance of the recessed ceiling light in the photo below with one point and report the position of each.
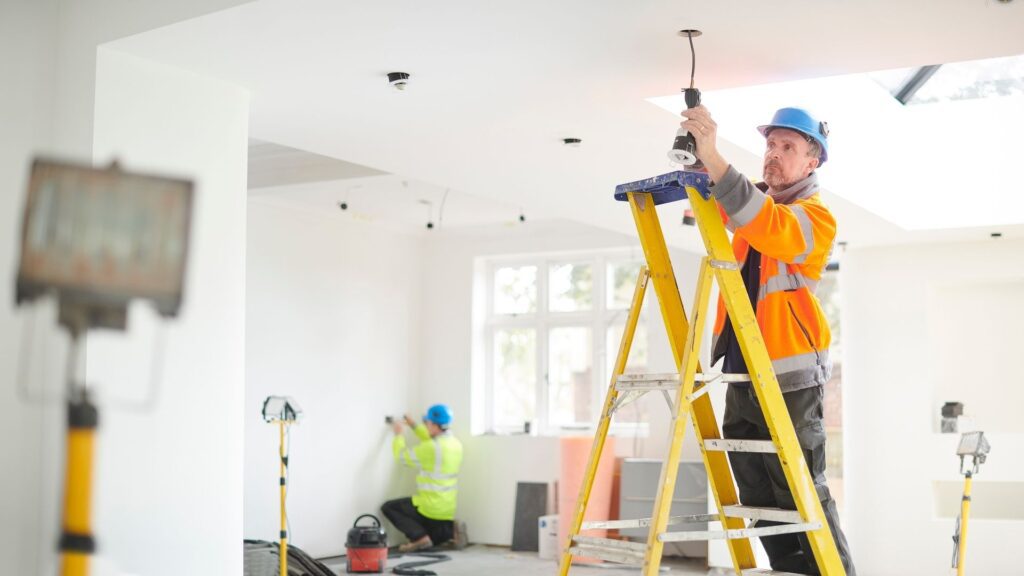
(574, 142)
(996, 234)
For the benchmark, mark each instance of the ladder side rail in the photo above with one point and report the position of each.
(673, 314)
(606, 414)
(705, 425)
(766, 386)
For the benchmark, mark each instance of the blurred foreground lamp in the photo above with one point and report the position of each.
(95, 239)
(285, 411)
(98, 238)
(974, 445)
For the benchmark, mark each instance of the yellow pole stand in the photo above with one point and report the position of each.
(76, 541)
(284, 513)
(965, 509)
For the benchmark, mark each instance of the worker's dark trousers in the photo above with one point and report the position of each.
(762, 482)
(404, 515)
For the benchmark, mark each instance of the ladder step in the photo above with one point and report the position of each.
(629, 382)
(739, 533)
(620, 551)
(767, 572)
(773, 514)
(726, 445)
(620, 557)
(670, 380)
(646, 522)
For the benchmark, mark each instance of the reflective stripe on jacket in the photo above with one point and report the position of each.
(794, 232)
(437, 461)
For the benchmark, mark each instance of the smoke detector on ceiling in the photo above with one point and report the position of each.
(398, 80)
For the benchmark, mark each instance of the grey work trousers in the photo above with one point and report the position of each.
(762, 482)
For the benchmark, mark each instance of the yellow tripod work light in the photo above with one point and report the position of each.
(285, 411)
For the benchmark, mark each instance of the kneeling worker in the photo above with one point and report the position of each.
(427, 518)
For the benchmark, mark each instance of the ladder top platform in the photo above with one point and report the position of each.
(667, 187)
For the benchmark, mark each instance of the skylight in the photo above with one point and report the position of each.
(975, 79)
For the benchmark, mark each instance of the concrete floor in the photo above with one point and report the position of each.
(498, 561)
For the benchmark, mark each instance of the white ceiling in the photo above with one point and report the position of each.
(496, 85)
(275, 165)
(394, 202)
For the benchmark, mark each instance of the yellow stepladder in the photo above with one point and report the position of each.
(691, 401)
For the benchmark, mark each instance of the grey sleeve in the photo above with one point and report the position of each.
(738, 196)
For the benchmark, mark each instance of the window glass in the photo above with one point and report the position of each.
(570, 383)
(571, 287)
(515, 290)
(515, 377)
(621, 284)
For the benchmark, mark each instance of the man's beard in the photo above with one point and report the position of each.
(775, 179)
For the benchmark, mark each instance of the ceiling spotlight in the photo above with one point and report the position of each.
(574, 142)
(343, 205)
(398, 80)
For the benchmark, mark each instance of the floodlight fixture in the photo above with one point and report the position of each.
(97, 238)
(975, 445)
(281, 408)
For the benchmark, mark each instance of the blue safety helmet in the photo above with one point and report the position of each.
(439, 414)
(802, 121)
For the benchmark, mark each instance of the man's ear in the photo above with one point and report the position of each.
(813, 165)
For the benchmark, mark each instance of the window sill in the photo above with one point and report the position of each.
(625, 430)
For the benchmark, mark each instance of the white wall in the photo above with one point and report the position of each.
(894, 457)
(494, 464)
(82, 25)
(333, 311)
(167, 481)
(27, 37)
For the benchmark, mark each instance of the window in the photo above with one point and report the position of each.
(994, 77)
(552, 333)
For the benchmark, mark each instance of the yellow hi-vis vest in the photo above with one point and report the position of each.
(437, 461)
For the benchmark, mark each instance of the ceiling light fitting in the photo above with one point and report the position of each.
(398, 80)
(684, 147)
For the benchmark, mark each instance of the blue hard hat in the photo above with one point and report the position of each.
(439, 414)
(802, 121)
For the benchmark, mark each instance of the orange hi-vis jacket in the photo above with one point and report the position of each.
(794, 232)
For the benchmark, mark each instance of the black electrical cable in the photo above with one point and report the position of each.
(693, 58)
(440, 211)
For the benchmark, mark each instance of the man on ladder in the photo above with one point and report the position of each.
(783, 236)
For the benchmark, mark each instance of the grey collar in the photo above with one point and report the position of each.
(803, 189)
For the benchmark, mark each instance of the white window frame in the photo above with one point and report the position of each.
(598, 319)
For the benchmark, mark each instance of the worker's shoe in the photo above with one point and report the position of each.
(415, 545)
(461, 538)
